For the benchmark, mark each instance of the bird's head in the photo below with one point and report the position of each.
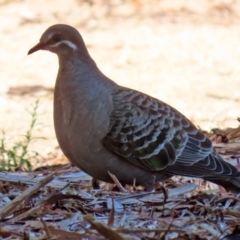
(62, 40)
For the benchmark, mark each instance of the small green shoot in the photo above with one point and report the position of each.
(17, 155)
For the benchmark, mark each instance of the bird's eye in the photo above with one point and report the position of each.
(56, 38)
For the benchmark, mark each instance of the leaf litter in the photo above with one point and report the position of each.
(61, 204)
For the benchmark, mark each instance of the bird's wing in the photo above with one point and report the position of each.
(151, 134)
(213, 167)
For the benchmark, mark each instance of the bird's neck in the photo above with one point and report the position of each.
(75, 63)
(81, 77)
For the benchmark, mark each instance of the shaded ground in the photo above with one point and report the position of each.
(183, 54)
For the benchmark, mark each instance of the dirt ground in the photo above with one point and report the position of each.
(183, 52)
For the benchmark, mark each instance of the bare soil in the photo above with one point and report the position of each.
(185, 53)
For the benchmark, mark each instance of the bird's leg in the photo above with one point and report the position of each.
(95, 183)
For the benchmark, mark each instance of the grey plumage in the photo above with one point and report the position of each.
(101, 126)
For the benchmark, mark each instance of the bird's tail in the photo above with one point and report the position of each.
(230, 184)
(213, 168)
(226, 175)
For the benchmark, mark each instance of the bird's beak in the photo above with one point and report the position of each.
(39, 46)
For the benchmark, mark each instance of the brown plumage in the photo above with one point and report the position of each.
(101, 126)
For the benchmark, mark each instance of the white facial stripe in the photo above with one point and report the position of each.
(69, 43)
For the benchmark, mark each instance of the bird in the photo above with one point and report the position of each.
(103, 127)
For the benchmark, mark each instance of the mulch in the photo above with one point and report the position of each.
(59, 203)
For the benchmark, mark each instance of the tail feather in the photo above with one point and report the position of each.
(230, 184)
(230, 177)
(223, 173)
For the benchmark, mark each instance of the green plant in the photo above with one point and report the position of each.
(16, 155)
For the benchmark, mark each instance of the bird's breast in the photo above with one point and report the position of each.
(81, 122)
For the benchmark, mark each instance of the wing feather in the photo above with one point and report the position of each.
(153, 135)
